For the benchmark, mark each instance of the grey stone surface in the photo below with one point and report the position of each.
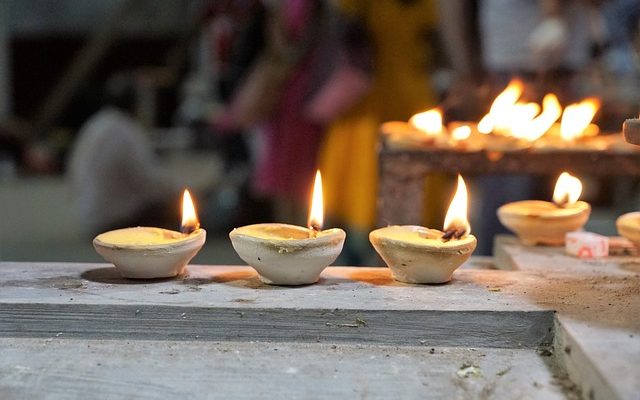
(500, 313)
(598, 305)
(56, 368)
(223, 286)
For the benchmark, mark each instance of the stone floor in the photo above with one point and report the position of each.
(551, 327)
(169, 369)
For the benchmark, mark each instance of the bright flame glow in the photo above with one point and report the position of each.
(567, 191)
(510, 117)
(508, 96)
(538, 126)
(316, 214)
(521, 115)
(485, 126)
(457, 214)
(461, 133)
(577, 117)
(500, 113)
(429, 122)
(189, 217)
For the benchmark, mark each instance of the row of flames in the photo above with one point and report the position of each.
(509, 116)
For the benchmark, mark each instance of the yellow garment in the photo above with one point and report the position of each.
(400, 88)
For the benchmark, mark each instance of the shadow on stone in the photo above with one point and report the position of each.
(111, 275)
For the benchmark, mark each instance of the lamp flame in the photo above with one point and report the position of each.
(577, 117)
(567, 191)
(501, 109)
(461, 133)
(429, 122)
(189, 217)
(316, 213)
(510, 117)
(485, 126)
(456, 218)
(538, 126)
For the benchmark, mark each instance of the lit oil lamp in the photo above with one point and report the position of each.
(576, 120)
(575, 131)
(543, 222)
(147, 252)
(421, 255)
(516, 125)
(285, 254)
(424, 129)
(429, 122)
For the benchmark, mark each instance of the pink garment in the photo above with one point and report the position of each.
(287, 166)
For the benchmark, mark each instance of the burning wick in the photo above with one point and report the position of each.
(563, 201)
(190, 221)
(316, 213)
(567, 191)
(313, 231)
(453, 233)
(456, 224)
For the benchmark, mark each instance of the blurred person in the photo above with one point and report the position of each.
(617, 22)
(397, 88)
(271, 100)
(544, 42)
(21, 153)
(230, 41)
(115, 178)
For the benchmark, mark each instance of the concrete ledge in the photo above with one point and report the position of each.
(501, 329)
(597, 305)
(598, 302)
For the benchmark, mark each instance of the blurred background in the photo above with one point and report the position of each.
(109, 108)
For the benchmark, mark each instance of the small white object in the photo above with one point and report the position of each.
(586, 244)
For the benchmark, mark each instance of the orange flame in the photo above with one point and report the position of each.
(577, 117)
(316, 213)
(456, 217)
(461, 133)
(510, 117)
(501, 108)
(429, 122)
(567, 191)
(538, 126)
(190, 220)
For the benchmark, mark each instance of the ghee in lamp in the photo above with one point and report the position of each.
(416, 254)
(543, 222)
(284, 254)
(148, 252)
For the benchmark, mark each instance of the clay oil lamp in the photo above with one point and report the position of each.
(416, 254)
(543, 222)
(285, 254)
(147, 252)
(629, 227)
